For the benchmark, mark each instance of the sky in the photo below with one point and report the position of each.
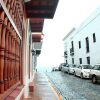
(69, 14)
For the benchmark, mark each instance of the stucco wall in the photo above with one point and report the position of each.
(87, 28)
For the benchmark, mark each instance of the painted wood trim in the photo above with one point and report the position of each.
(9, 17)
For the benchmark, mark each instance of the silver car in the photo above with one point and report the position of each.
(95, 74)
(71, 68)
(65, 68)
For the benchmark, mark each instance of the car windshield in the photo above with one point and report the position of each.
(87, 66)
(97, 67)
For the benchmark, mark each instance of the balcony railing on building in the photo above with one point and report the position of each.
(65, 54)
(71, 51)
(36, 52)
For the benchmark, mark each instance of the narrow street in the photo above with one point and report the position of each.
(74, 88)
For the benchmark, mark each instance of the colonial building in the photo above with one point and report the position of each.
(21, 25)
(81, 45)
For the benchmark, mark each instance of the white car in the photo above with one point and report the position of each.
(55, 69)
(82, 71)
(65, 68)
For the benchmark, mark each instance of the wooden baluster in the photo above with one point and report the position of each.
(8, 60)
(12, 8)
(20, 65)
(12, 4)
(13, 55)
(2, 55)
(10, 13)
(13, 61)
(12, 51)
(16, 20)
(18, 62)
(6, 57)
(5, 1)
(14, 58)
(18, 59)
(9, 56)
(8, 6)
(1, 67)
(9, 1)
(1, 22)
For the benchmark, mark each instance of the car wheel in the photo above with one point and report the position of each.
(74, 73)
(81, 75)
(94, 80)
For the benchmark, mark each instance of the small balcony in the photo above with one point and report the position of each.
(36, 52)
(71, 51)
(65, 54)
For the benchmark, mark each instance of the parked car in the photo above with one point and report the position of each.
(95, 74)
(82, 71)
(65, 68)
(72, 68)
(60, 66)
(55, 69)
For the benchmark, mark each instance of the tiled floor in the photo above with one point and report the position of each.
(15, 93)
(42, 89)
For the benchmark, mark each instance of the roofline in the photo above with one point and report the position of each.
(71, 31)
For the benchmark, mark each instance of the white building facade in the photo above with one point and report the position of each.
(82, 45)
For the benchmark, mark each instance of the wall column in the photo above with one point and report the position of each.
(1, 67)
(7, 55)
(2, 54)
(6, 59)
(9, 60)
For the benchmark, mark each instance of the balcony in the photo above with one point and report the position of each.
(36, 52)
(71, 51)
(65, 54)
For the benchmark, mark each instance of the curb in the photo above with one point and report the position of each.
(57, 93)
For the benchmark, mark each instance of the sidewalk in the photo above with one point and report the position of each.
(42, 89)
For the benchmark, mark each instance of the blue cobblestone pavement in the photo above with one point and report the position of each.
(74, 88)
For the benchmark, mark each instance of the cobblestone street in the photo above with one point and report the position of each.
(74, 88)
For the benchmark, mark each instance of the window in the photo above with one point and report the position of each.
(94, 38)
(87, 44)
(72, 44)
(72, 48)
(88, 60)
(80, 60)
(72, 60)
(79, 44)
(66, 62)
